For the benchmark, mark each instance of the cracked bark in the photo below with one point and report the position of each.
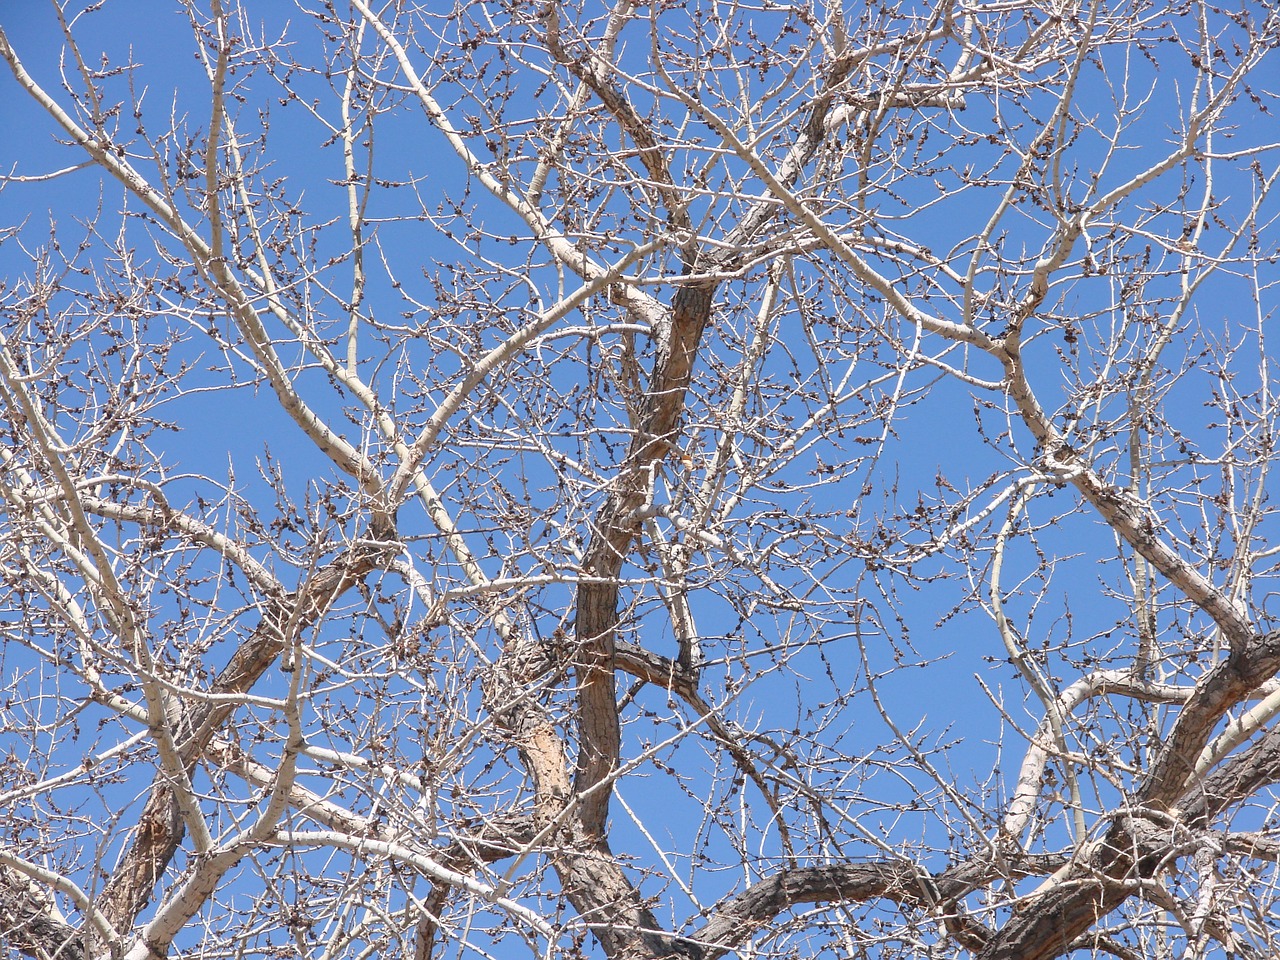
(29, 926)
(736, 919)
(1051, 923)
(615, 529)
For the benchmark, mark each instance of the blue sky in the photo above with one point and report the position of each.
(833, 526)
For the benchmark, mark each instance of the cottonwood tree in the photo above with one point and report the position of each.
(636, 481)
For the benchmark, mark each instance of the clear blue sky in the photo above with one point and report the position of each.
(936, 659)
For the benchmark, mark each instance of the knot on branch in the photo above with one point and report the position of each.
(1060, 465)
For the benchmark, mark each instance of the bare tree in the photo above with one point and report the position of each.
(651, 480)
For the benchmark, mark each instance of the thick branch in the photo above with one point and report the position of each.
(499, 837)
(592, 71)
(30, 926)
(739, 917)
(160, 830)
(618, 522)
(616, 526)
(1246, 774)
(1229, 683)
(1052, 920)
